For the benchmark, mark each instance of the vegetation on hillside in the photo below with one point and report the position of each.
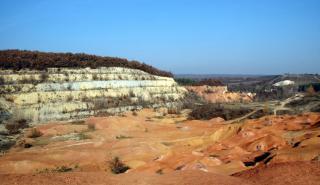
(192, 82)
(185, 81)
(209, 111)
(22, 59)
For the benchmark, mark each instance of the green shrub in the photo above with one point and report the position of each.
(91, 126)
(69, 98)
(59, 169)
(78, 122)
(2, 82)
(123, 137)
(43, 77)
(83, 136)
(131, 94)
(134, 113)
(185, 81)
(209, 111)
(63, 169)
(209, 82)
(117, 166)
(95, 77)
(14, 127)
(192, 82)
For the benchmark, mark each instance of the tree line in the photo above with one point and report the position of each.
(23, 59)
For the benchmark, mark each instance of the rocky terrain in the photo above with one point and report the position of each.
(104, 120)
(167, 148)
(67, 93)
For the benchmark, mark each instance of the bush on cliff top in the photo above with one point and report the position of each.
(193, 82)
(22, 59)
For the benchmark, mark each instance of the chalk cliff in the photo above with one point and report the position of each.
(73, 93)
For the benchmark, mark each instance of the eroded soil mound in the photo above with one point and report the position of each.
(162, 148)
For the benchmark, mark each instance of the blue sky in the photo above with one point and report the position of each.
(182, 36)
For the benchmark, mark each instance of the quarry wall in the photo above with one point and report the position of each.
(66, 93)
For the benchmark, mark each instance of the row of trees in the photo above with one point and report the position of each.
(22, 59)
(192, 82)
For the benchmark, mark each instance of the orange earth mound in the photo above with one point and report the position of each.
(161, 148)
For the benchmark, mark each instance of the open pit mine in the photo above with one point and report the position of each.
(83, 119)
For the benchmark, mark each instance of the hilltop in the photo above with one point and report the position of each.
(23, 59)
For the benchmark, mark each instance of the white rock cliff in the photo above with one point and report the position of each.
(66, 94)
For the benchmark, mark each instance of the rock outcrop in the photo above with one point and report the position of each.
(74, 93)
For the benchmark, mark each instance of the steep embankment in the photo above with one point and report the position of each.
(69, 93)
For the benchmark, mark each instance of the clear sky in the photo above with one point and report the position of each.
(182, 36)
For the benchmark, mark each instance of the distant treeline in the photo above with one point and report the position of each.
(192, 82)
(22, 59)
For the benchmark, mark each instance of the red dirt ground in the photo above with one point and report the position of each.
(294, 173)
(169, 149)
(307, 173)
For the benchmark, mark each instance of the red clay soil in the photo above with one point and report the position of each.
(138, 178)
(169, 150)
(293, 173)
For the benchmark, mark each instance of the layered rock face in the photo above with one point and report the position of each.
(66, 93)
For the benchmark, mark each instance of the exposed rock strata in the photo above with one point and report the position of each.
(64, 93)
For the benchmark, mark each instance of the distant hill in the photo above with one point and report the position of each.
(245, 80)
(22, 59)
(208, 76)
